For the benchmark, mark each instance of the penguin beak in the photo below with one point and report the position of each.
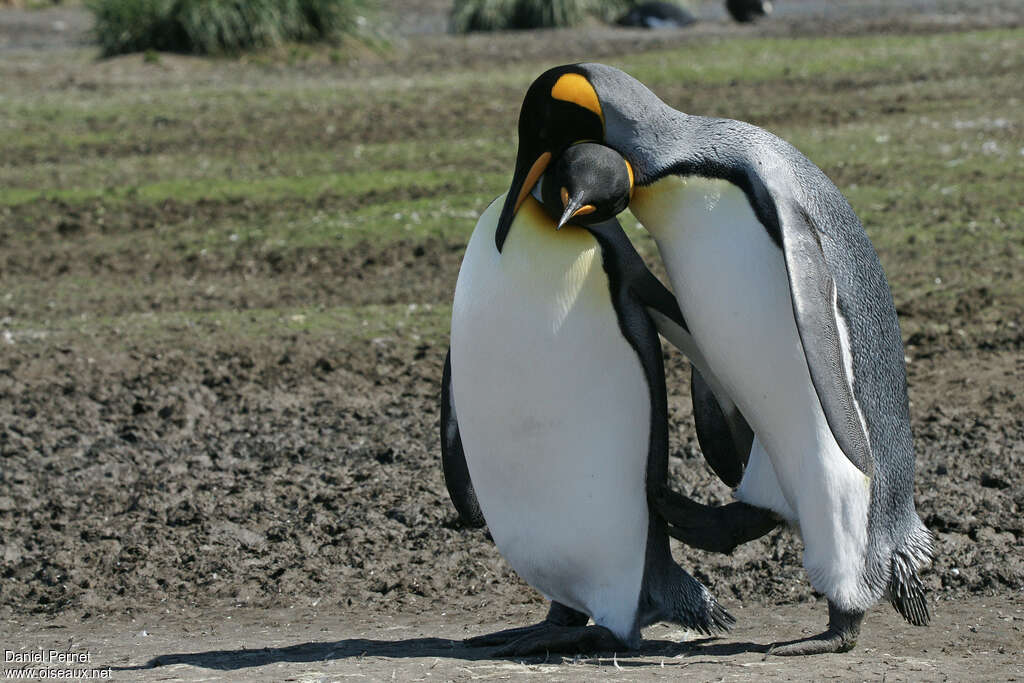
(573, 207)
(529, 168)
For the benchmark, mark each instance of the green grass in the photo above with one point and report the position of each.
(294, 173)
(303, 187)
(827, 60)
(380, 223)
(923, 133)
(218, 26)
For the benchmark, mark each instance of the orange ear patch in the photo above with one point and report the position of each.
(577, 89)
(629, 170)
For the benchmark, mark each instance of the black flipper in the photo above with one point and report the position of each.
(453, 459)
(814, 296)
(714, 529)
(655, 296)
(724, 435)
(725, 438)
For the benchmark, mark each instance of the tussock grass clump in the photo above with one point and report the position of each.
(498, 15)
(219, 26)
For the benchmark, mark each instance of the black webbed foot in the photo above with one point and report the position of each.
(564, 630)
(841, 636)
(502, 637)
(544, 638)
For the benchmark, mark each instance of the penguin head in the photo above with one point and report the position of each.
(567, 105)
(587, 183)
(561, 107)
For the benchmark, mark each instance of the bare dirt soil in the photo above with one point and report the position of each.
(218, 507)
(975, 639)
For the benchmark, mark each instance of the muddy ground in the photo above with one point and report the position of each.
(195, 503)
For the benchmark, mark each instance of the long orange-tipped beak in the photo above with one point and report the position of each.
(523, 180)
(532, 176)
(573, 207)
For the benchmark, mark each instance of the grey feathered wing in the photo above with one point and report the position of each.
(815, 308)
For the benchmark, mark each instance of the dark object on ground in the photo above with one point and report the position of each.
(504, 15)
(657, 15)
(745, 11)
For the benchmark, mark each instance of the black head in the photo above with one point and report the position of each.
(560, 108)
(586, 184)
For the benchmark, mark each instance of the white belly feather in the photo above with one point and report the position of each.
(554, 414)
(733, 290)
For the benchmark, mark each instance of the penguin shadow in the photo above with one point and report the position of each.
(321, 651)
(711, 646)
(355, 648)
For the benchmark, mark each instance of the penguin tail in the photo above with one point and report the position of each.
(906, 592)
(719, 617)
(690, 604)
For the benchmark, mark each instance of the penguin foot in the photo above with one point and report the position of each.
(841, 636)
(829, 641)
(501, 637)
(714, 529)
(547, 637)
(559, 617)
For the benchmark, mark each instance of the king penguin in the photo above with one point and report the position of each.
(554, 415)
(789, 308)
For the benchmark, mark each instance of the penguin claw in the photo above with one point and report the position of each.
(714, 529)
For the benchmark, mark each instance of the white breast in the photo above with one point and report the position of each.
(554, 414)
(733, 289)
(731, 284)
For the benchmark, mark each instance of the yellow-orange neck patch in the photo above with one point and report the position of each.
(577, 89)
(532, 175)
